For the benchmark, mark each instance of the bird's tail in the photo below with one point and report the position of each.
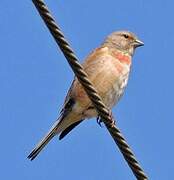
(52, 132)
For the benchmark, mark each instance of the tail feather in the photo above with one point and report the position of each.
(53, 131)
(68, 129)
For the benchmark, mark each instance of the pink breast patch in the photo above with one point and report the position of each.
(123, 58)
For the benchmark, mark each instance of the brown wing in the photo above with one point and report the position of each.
(99, 72)
(92, 63)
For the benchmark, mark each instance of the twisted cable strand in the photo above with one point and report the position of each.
(90, 90)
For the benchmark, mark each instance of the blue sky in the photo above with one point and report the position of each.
(35, 77)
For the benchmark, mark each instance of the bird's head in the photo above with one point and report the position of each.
(124, 41)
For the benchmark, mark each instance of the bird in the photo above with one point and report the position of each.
(108, 68)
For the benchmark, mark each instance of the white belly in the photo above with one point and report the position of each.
(116, 91)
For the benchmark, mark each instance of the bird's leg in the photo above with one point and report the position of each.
(99, 121)
(111, 123)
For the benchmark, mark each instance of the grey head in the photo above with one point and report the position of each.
(123, 40)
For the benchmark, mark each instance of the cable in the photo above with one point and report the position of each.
(102, 110)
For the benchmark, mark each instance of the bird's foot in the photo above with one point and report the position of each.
(111, 123)
(99, 121)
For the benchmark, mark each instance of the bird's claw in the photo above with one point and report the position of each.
(111, 123)
(99, 121)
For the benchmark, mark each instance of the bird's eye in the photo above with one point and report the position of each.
(126, 36)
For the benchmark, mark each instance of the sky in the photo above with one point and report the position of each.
(35, 78)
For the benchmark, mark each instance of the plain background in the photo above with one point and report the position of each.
(34, 79)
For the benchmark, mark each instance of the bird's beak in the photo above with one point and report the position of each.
(138, 43)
